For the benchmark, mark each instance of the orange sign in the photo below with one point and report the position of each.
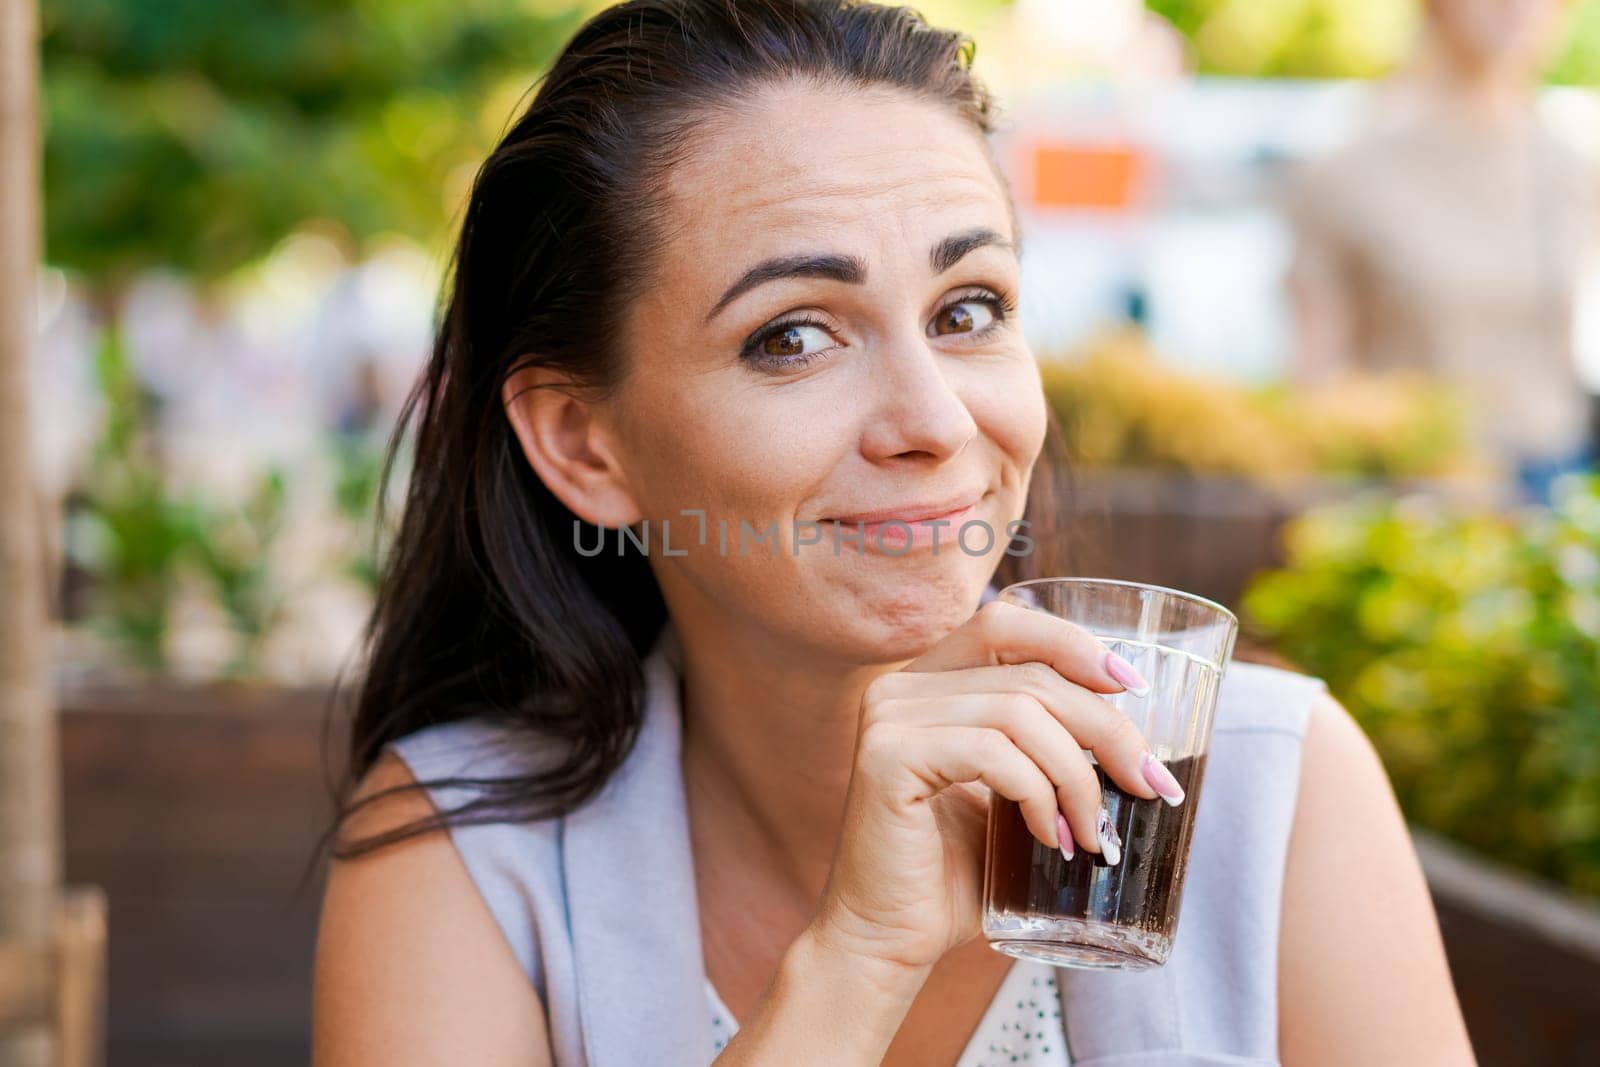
(1068, 174)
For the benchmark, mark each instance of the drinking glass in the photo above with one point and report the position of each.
(1086, 912)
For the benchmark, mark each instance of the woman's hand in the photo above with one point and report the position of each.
(1007, 702)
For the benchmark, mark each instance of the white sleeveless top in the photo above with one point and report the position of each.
(1021, 1025)
(622, 977)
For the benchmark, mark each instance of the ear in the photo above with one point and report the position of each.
(568, 445)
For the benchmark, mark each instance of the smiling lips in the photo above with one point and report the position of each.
(926, 521)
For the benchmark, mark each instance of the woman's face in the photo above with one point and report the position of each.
(1512, 35)
(827, 339)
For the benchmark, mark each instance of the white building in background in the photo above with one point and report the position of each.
(1157, 198)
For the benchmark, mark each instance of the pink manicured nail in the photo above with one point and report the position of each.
(1064, 832)
(1110, 842)
(1161, 779)
(1123, 671)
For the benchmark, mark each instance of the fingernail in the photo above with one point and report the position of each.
(1064, 832)
(1123, 671)
(1161, 779)
(1110, 843)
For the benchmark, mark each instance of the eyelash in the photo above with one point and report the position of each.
(1001, 302)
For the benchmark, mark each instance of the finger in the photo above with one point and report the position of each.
(1092, 721)
(932, 760)
(1038, 734)
(1000, 632)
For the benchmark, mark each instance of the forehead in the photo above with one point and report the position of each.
(1497, 8)
(810, 163)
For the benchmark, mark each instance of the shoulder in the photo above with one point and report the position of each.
(474, 748)
(1256, 697)
(1252, 770)
(1375, 982)
(473, 869)
(1248, 798)
(1344, 790)
(1334, 197)
(1343, 787)
(1250, 786)
(514, 864)
(1224, 960)
(1566, 153)
(387, 910)
(1336, 745)
(1280, 740)
(1572, 175)
(458, 763)
(1321, 181)
(1343, 779)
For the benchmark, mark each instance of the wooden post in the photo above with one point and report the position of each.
(30, 858)
(81, 978)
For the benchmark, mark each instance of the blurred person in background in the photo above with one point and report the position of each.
(1450, 236)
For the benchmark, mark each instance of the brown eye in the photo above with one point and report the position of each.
(960, 318)
(786, 342)
(784, 345)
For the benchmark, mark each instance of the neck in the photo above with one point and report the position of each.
(1490, 93)
(769, 739)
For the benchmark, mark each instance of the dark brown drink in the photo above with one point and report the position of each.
(1085, 911)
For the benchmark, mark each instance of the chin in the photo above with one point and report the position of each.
(898, 614)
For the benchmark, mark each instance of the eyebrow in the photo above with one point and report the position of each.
(852, 269)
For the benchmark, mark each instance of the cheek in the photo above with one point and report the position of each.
(720, 446)
(1493, 27)
(1008, 405)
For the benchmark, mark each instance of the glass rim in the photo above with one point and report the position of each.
(1083, 580)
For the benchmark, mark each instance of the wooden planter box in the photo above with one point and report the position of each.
(197, 810)
(1525, 956)
(1206, 534)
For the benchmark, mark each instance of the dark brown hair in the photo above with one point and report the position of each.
(484, 607)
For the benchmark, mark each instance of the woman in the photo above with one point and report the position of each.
(747, 267)
(1450, 237)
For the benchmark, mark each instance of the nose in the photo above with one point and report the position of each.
(917, 411)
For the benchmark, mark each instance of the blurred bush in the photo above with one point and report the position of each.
(1339, 38)
(186, 583)
(1120, 406)
(1468, 647)
(1294, 38)
(196, 136)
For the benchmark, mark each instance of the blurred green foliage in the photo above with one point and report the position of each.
(141, 540)
(122, 524)
(232, 551)
(1339, 38)
(1121, 406)
(1293, 38)
(197, 135)
(358, 460)
(1578, 63)
(1468, 647)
